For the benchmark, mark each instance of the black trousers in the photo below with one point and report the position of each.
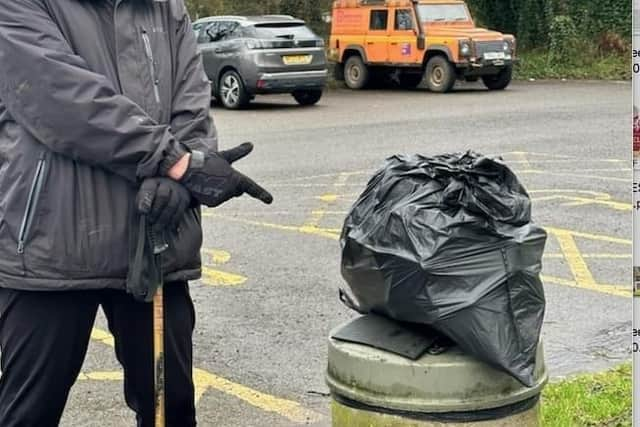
(43, 342)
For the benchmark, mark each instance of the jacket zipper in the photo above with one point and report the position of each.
(32, 201)
(152, 64)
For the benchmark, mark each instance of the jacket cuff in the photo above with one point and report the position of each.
(171, 156)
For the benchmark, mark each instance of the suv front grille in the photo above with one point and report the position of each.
(492, 46)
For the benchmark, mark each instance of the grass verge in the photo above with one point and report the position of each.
(538, 64)
(596, 400)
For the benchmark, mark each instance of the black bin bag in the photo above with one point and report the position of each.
(447, 241)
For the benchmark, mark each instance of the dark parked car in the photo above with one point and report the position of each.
(248, 56)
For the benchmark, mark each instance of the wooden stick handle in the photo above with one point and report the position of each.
(158, 356)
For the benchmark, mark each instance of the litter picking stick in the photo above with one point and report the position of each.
(159, 245)
(158, 356)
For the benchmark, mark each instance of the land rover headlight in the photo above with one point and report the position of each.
(465, 48)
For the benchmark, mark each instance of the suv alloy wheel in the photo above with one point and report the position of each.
(231, 92)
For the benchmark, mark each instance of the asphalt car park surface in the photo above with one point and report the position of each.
(269, 296)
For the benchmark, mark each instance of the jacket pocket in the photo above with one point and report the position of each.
(148, 50)
(32, 203)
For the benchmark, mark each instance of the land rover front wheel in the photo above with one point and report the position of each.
(498, 81)
(356, 73)
(440, 75)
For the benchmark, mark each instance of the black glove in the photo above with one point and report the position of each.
(212, 181)
(164, 201)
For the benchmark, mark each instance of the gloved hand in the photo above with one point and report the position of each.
(212, 181)
(164, 201)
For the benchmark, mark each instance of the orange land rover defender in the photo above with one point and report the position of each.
(414, 39)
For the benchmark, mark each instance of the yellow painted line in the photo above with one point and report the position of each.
(101, 376)
(591, 256)
(577, 264)
(311, 185)
(563, 156)
(577, 175)
(522, 158)
(583, 201)
(220, 278)
(579, 201)
(570, 161)
(205, 381)
(336, 212)
(597, 237)
(317, 231)
(103, 337)
(597, 194)
(532, 153)
(616, 290)
(326, 175)
(328, 200)
(286, 408)
(217, 256)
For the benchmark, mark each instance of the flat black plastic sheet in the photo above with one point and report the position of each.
(447, 241)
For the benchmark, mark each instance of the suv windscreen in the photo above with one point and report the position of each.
(443, 12)
(281, 30)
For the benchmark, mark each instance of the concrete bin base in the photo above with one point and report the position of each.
(375, 388)
(343, 416)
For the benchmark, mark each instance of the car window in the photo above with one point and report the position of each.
(404, 20)
(443, 12)
(203, 35)
(226, 30)
(281, 31)
(378, 20)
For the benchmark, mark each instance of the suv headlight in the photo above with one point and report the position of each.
(464, 47)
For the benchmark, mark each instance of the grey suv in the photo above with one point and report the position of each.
(248, 56)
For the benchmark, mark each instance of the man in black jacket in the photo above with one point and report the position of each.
(104, 114)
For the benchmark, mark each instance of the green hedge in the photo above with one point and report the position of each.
(534, 21)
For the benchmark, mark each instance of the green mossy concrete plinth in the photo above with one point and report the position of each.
(375, 388)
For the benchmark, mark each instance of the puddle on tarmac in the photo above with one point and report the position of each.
(606, 348)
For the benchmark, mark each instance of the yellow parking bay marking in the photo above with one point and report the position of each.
(597, 237)
(214, 277)
(312, 177)
(102, 336)
(317, 231)
(590, 256)
(577, 264)
(287, 408)
(220, 278)
(328, 200)
(616, 290)
(564, 156)
(580, 198)
(205, 381)
(583, 278)
(522, 158)
(102, 376)
(217, 256)
(568, 174)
